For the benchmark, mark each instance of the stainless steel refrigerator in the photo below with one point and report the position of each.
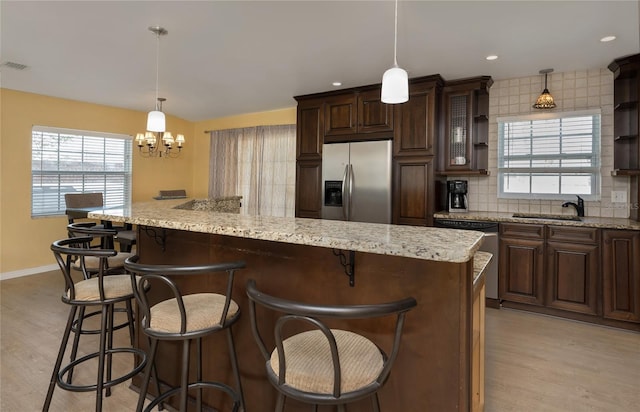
(356, 179)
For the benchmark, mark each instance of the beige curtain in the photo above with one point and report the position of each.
(257, 163)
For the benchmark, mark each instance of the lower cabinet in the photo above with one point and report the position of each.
(581, 273)
(413, 191)
(309, 188)
(621, 275)
(521, 263)
(573, 269)
(550, 266)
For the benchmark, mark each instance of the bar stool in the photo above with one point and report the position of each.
(102, 291)
(186, 318)
(90, 267)
(323, 366)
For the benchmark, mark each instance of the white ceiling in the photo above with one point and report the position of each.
(225, 58)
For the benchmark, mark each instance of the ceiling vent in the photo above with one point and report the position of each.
(15, 66)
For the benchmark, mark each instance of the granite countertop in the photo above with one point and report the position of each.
(480, 263)
(507, 217)
(428, 243)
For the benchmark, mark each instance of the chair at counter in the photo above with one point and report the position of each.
(322, 365)
(186, 318)
(103, 291)
(78, 205)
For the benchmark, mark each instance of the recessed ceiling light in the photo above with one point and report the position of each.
(337, 84)
(607, 38)
(491, 57)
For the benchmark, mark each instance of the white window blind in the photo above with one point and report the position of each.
(75, 161)
(549, 156)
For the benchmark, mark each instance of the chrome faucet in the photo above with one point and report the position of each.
(579, 207)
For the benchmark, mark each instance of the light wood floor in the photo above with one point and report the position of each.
(534, 363)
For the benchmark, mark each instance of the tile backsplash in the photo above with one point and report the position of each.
(576, 90)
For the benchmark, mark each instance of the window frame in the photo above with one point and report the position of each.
(121, 171)
(596, 156)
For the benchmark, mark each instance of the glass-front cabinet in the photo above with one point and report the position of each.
(466, 126)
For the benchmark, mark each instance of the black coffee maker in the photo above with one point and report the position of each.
(457, 195)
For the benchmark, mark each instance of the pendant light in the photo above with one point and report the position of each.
(395, 81)
(155, 119)
(545, 100)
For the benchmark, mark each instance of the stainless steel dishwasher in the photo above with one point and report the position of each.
(490, 244)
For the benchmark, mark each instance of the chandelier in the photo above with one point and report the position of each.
(157, 141)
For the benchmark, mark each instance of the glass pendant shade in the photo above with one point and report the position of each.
(545, 101)
(156, 121)
(395, 86)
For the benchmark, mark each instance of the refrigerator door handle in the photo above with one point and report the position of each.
(345, 201)
(350, 189)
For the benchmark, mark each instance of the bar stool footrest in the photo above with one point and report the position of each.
(197, 385)
(74, 326)
(140, 354)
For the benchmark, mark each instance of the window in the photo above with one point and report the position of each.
(75, 161)
(549, 156)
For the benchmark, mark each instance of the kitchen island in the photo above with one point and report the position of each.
(439, 366)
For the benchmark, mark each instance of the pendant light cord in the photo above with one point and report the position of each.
(545, 81)
(157, 67)
(395, 38)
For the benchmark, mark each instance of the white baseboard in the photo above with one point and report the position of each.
(27, 272)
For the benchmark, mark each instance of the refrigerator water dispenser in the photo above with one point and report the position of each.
(333, 193)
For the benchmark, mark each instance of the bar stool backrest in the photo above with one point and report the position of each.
(82, 200)
(66, 251)
(160, 280)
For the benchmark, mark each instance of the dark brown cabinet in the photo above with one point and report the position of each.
(621, 275)
(414, 149)
(521, 265)
(626, 114)
(309, 188)
(309, 137)
(413, 191)
(573, 269)
(349, 115)
(465, 137)
(582, 273)
(356, 113)
(551, 266)
(626, 124)
(309, 129)
(416, 127)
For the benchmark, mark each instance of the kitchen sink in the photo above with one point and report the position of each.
(546, 216)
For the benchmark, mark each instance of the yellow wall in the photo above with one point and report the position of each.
(24, 242)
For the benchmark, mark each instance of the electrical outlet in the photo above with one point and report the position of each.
(618, 196)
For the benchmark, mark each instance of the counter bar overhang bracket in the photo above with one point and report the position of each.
(348, 263)
(159, 235)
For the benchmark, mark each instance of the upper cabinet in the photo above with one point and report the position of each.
(416, 124)
(626, 119)
(465, 136)
(310, 129)
(355, 113)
